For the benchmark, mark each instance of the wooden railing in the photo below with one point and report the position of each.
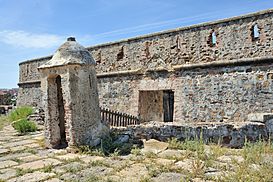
(118, 119)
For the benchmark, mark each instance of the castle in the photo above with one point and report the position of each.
(212, 72)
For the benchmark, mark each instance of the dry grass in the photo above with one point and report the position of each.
(4, 121)
(255, 164)
(41, 142)
(255, 167)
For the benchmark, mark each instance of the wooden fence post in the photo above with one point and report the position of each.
(118, 119)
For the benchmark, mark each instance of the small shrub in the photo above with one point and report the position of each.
(23, 126)
(89, 150)
(154, 170)
(150, 155)
(145, 179)
(175, 144)
(115, 154)
(136, 151)
(20, 113)
(198, 168)
(196, 145)
(217, 151)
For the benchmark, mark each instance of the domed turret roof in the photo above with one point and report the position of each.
(69, 53)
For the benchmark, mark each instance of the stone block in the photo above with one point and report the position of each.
(2, 151)
(172, 153)
(7, 173)
(39, 164)
(68, 156)
(88, 159)
(154, 146)
(8, 163)
(29, 158)
(174, 177)
(260, 117)
(269, 127)
(33, 177)
(164, 162)
(54, 180)
(122, 139)
(127, 174)
(229, 159)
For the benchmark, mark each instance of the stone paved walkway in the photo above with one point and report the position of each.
(23, 158)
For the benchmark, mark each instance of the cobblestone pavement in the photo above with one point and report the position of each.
(23, 158)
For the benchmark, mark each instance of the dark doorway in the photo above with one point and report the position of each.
(168, 105)
(63, 142)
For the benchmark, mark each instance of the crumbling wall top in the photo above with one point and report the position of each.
(201, 25)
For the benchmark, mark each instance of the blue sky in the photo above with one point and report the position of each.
(35, 28)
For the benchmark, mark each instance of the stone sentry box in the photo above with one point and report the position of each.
(70, 96)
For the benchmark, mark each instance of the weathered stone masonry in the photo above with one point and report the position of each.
(70, 98)
(222, 81)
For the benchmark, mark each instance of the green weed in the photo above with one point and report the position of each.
(24, 126)
(192, 145)
(21, 172)
(253, 152)
(136, 151)
(48, 169)
(20, 113)
(30, 150)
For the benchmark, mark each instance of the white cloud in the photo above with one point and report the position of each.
(30, 40)
(209, 16)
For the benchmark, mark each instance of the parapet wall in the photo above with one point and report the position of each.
(180, 46)
(234, 40)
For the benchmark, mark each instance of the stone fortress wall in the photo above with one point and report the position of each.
(212, 81)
